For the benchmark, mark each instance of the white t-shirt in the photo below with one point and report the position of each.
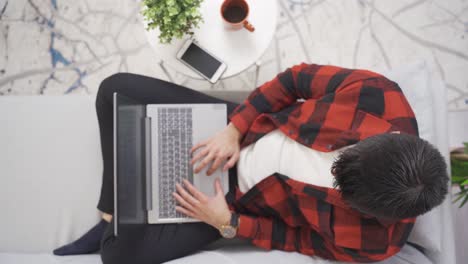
(276, 152)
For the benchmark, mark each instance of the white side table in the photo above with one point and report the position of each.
(239, 49)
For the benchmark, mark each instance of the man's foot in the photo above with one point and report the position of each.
(88, 243)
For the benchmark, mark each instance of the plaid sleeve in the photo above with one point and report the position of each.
(398, 111)
(268, 233)
(273, 233)
(300, 81)
(381, 107)
(364, 244)
(305, 81)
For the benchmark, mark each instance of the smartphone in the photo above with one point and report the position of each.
(201, 61)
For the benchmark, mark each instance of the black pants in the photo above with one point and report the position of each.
(146, 243)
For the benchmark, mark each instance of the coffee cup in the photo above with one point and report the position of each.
(235, 13)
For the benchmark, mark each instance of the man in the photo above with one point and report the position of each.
(384, 178)
(372, 175)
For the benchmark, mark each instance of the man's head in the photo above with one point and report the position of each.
(391, 176)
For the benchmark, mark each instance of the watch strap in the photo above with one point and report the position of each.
(234, 219)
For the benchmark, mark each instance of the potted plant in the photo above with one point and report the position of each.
(459, 164)
(174, 18)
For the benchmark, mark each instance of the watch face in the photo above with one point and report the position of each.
(229, 232)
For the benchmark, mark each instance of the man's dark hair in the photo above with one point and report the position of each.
(392, 176)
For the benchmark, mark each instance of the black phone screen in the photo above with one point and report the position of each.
(200, 60)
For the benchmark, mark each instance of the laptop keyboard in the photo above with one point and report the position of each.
(174, 144)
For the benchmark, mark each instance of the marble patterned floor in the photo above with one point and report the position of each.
(68, 47)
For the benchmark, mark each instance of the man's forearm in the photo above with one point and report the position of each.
(282, 91)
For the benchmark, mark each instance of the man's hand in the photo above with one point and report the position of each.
(211, 210)
(224, 145)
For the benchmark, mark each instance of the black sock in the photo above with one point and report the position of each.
(87, 243)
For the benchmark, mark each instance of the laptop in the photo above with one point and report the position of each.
(152, 145)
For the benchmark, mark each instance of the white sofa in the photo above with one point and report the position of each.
(51, 165)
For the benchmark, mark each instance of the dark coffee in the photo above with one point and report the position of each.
(234, 14)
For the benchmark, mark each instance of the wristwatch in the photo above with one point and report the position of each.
(229, 230)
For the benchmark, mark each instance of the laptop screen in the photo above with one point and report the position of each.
(129, 194)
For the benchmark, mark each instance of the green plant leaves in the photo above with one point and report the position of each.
(459, 167)
(462, 194)
(174, 18)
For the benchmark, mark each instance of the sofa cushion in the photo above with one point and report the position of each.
(234, 254)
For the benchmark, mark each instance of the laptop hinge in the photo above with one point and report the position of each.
(148, 173)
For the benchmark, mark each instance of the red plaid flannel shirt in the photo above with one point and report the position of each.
(340, 107)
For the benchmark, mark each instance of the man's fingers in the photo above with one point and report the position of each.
(195, 192)
(184, 211)
(231, 161)
(215, 165)
(205, 161)
(187, 197)
(182, 201)
(199, 155)
(198, 145)
(218, 187)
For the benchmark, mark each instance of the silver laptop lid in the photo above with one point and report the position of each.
(129, 162)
